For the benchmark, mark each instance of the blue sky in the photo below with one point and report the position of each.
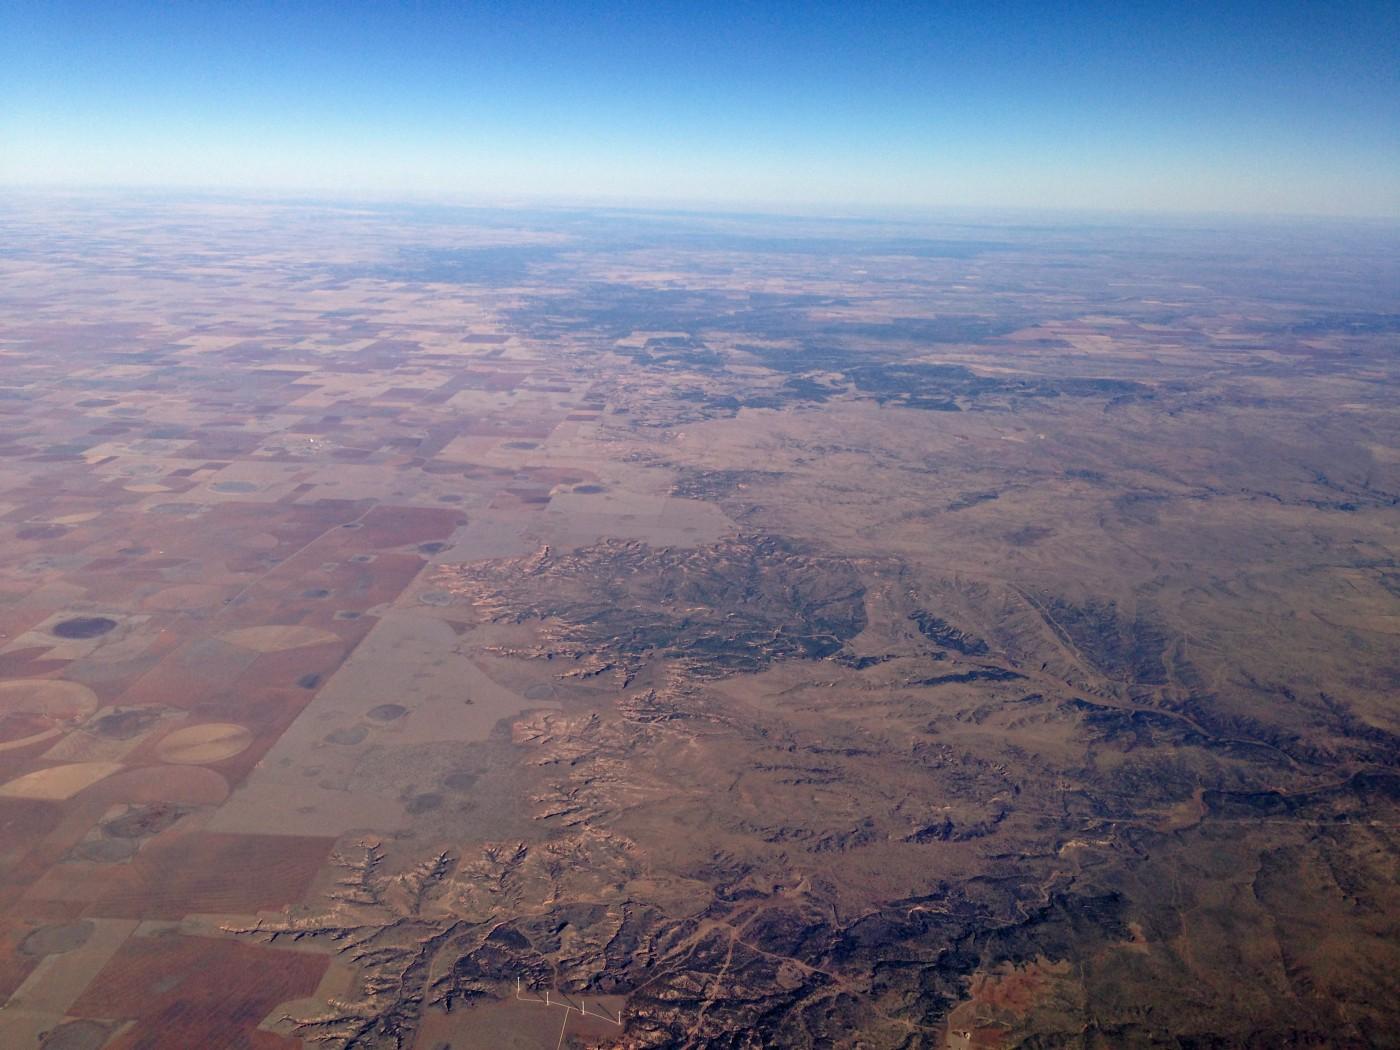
(1271, 107)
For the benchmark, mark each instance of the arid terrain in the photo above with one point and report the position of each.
(455, 629)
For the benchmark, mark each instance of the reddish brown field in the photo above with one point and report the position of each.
(175, 875)
(198, 992)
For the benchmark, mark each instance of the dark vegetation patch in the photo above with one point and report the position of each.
(802, 388)
(141, 822)
(854, 247)
(57, 938)
(942, 633)
(76, 1035)
(731, 607)
(460, 781)
(816, 357)
(424, 803)
(980, 674)
(695, 483)
(615, 311)
(1136, 728)
(490, 265)
(952, 328)
(1140, 507)
(1029, 535)
(861, 663)
(1336, 324)
(348, 737)
(41, 532)
(1358, 799)
(105, 850)
(125, 723)
(1123, 649)
(931, 386)
(940, 387)
(675, 353)
(83, 627)
(972, 499)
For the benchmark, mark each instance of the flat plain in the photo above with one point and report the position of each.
(462, 629)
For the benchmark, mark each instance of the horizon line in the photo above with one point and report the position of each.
(657, 205)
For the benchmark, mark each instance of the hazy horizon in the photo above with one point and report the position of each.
(1254, 109)
(841, 212)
